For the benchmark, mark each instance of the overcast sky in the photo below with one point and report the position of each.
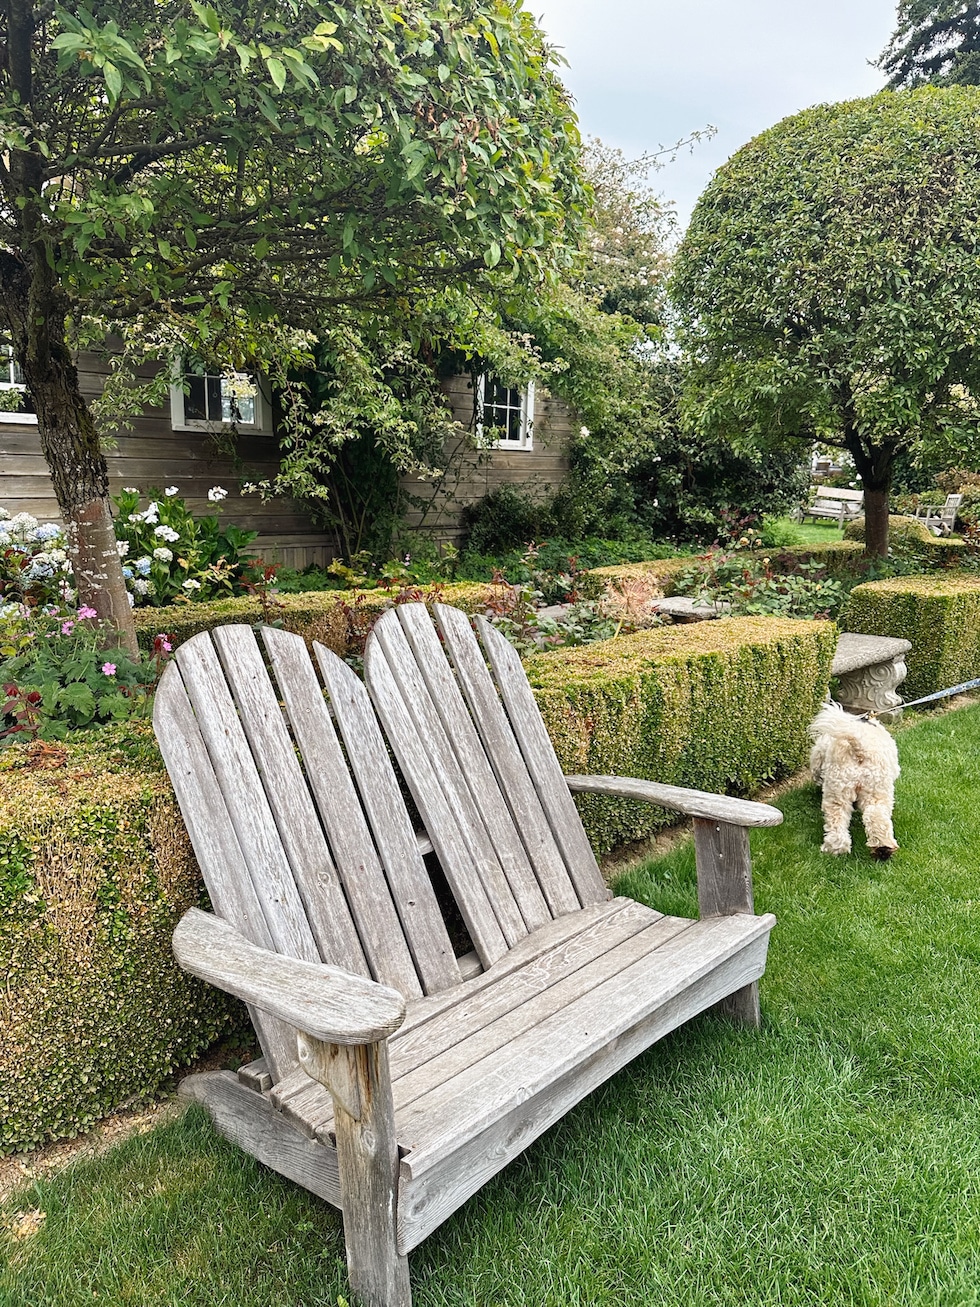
(645, 73)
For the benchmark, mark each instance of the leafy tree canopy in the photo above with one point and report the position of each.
(936, 41)
(828, 287)
(214, 175)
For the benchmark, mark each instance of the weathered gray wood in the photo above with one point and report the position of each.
(249, 1120)
(322, 1001)
(456, 1109)
(256, 1075)
(245, 799)
(414, 712)
(692, 803)
(724, 864)
(215, 842)
(367, 1155)
(505, 757)
(539, 756)
(400, 849)
(474, 764)
(340, 812)
(285, 788)
(453, 852)
(431, 1190)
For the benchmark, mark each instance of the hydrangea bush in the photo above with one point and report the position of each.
(34, 566)
(169, 554)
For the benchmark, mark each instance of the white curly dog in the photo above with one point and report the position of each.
(856, 762)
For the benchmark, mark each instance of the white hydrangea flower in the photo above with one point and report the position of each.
(5, 517)
(163, 554)
(216, 494)
(167, 533)
(191, 584)
(141, 587)
(171, 491)
(122, 546)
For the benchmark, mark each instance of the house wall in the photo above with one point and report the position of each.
(472, 474)
(152, 454)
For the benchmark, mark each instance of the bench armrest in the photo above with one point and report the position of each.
(692, 803)
(322, 1001)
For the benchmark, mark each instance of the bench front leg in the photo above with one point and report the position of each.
(359, 1082)
(724, 865)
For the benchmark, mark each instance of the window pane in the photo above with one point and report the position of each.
(195, 403)
(236, 408)
(213, 385)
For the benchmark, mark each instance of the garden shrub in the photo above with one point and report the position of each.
(720, 706)
(939, 613)
(95, 871)
(907, 535)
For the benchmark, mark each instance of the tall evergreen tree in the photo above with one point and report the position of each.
(936, 41)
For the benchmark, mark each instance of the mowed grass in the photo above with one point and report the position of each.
(833, 1158)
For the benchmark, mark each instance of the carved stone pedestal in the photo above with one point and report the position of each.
(869, 669)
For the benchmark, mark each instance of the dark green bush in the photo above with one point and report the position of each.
(939, 613)
(95, 872)
(720, 706)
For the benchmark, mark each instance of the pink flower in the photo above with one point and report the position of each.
(108, 669)
(163, 642)
(67, 627)
(85, 612)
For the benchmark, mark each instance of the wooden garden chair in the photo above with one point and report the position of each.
(399, 1072)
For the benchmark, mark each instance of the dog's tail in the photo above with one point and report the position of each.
(833, 721)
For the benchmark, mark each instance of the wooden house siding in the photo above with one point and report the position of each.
(153, 455)
(474, 473)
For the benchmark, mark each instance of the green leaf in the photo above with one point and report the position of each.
(277, 71)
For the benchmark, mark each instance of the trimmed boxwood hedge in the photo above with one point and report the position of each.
(720, 705)
(95, 871)
(941, 551)
(939, 613)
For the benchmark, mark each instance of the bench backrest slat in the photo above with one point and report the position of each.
(504, 754)
(542, 764)
(432, 771)
(384, 805)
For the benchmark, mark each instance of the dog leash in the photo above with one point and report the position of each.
(929, 698)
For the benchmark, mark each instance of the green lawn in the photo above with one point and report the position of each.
(811, 533)
(832, 1159)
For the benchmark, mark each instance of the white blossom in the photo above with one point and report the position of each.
(216, 494)
(122, 548)
(171, 491)
(191, 584)
(167, 533)
(163, 554)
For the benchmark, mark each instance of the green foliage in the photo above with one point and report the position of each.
(940, 614)
(936, 41)
(58, 674)
(718, 706)
(827, 286)
(169, 553)
(741, 583)
(95, 871)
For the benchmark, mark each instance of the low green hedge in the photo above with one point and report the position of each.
(939, 613)
(95, 871)
(335, 618)
(720, 705)
(938, 551)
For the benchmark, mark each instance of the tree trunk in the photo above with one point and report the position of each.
(36, 311)
(874, 466)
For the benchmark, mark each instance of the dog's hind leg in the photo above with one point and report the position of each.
(877, 817)
(837, 806)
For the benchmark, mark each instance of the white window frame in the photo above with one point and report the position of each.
(7, 366)
(526, 393)
(262, 426)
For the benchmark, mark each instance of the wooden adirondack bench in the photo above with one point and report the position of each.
(398, 1077)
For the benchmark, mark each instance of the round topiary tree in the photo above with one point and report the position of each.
(828, 287)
